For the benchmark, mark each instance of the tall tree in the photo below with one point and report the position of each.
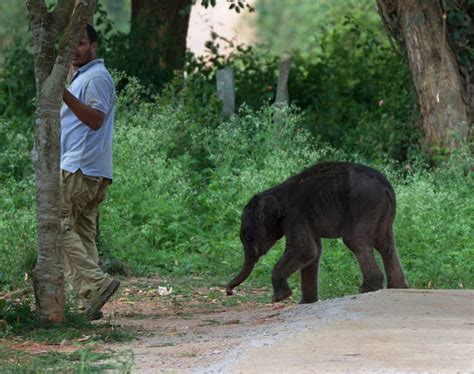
(159, 28)
(158, 35)
(443, 85)
(66, 24)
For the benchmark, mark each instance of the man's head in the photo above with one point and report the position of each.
(86, 51)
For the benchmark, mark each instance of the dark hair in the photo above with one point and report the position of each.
(91, 33)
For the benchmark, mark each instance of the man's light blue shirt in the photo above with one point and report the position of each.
(81, 147)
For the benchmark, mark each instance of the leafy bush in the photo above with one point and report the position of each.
(17, 230)
(17, 80)
(354, 89)
(434, 225)
(255, 71)
(16, 142)
(177, 218)
(357, 94)
(181, 209)
(176, 209)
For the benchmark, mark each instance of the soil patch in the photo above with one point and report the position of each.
(386, 331)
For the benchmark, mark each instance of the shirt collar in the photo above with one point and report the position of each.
(87, 66)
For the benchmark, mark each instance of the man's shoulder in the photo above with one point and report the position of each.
(99, 73)
(97, 68)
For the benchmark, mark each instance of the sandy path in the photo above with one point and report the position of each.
(389, 331)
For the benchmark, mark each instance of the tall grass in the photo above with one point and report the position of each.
(174, 207)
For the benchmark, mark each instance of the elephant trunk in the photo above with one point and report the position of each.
(244, 273)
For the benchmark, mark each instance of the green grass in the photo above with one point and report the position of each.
(20, 327)
(83, 360)
(174, 207)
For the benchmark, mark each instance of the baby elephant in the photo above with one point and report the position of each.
(328, 200)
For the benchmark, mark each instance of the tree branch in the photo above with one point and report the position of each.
(36, 7)
(44, 35)
(37, 14)
(62, 13)
(389, 12)
(73, 33)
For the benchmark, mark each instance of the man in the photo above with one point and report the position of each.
(87, 119)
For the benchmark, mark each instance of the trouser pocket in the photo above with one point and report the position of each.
(77, 192)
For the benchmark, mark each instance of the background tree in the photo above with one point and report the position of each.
(157, 43)
(66, 24)
(440, 63)
(158, 33)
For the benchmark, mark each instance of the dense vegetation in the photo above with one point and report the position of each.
(183, 173)
(180, 185)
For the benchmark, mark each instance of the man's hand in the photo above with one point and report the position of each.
(91, 117)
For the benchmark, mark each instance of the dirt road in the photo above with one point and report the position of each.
(389, 331)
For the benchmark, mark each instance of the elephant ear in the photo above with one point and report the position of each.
(269, 211)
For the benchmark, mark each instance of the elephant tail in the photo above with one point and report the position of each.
(393, 202)
(385, 238)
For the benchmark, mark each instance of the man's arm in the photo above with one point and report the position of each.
(91, 117)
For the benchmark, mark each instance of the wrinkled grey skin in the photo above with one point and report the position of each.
(329, 200)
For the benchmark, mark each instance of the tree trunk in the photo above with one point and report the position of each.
(282, 96)
(442, 92)
(48, 273)
(162, 27)
(66, 22)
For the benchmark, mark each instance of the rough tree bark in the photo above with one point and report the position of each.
(65, 23)
(162, 26)
(442, 91)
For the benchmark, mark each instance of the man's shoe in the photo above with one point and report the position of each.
(102, 298)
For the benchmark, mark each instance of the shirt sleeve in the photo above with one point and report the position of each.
(99, 94)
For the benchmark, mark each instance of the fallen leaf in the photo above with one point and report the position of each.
(85, 338)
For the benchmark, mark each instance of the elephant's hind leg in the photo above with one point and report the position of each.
(385, 245)
(364, 254)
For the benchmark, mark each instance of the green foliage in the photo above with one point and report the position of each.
(460, 21)
(17, 199)
(357, 94)
(125, 52)
(353, 86)
(119, 11)
(191, 218)
(183, 175)
(255, 71)
(83, 360)
(13, 23)
(16, 142)
(174, 207)
(177, 218)
(17, 317)
(17, 80)
(17, 230)
(289, 28)
(437, 237)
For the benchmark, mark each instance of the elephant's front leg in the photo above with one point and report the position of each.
(309, 277)
(300, 251)
(281, 289)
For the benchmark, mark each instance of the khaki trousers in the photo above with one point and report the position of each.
(80, 199)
